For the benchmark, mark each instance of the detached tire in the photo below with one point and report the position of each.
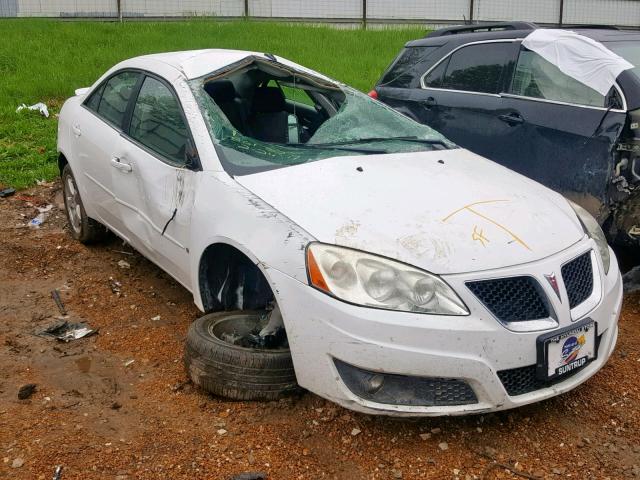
(233, 371)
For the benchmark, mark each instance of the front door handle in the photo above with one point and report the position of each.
(76, 130)
(512, 118)
(123, 167)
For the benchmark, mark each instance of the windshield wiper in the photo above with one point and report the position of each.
(331, 146)
(386, 139)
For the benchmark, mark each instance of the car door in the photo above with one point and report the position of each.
(460, 95)
(565, 131)
(155, 177)
(96, 130)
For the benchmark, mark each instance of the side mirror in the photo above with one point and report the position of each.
(191, 159)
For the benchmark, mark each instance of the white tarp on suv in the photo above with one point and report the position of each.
(578, 56)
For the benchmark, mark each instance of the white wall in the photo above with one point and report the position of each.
(614, 12)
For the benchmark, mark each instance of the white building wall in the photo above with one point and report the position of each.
(456, 10)
(306, 8)
(542, 11)
(613, 12)
(58, 8)
(603, 12)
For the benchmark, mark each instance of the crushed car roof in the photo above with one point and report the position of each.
(196, 63)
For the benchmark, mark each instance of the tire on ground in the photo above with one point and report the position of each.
(234, 371)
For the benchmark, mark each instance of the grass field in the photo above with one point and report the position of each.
(46, 60)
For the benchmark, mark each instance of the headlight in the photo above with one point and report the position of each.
(373, 281)
(591, 228)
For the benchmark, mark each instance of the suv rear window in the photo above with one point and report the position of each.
(474, 68)
(401, 72)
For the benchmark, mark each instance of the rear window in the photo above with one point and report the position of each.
(402, 70)
(630, 51)
(478, 68)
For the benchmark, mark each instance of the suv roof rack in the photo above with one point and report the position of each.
(482, 27)
(592, 27)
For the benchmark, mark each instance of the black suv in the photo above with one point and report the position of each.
(478, 86)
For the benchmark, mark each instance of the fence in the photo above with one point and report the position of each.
(624, 13)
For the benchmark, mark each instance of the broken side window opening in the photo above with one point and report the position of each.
(263, 115)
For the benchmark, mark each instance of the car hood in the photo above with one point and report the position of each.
(446, 211)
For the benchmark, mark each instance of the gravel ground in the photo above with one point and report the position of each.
(117, 405)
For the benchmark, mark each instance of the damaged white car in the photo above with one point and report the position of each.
(335, 243)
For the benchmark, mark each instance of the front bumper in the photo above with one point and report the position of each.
(472, 348)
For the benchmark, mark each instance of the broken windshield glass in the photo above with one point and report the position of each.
(256, 124)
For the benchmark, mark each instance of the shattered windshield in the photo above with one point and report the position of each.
(263, 116)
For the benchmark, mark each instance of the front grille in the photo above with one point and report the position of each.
(578, 279)
(513, 299)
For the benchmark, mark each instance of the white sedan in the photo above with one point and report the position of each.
(409, 276)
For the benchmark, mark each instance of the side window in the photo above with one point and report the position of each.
(402, 71)
(157, 122)
(478, 68)
(94, 100)
(434, 78)
(538, 78)
(115, 97)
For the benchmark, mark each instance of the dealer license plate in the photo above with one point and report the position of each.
(566, 351)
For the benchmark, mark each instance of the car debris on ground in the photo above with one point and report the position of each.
(39, 107)
(26, 391)
(66, 331)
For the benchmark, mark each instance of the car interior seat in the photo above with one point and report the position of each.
(223, 92)
(268, 120)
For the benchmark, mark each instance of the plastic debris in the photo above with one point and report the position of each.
(67, 331)
(115, 286)
(37, 221)
(128, 362)
(26, 391)
(124, 264)
(156, 318)
(57, 474)
(40, 107)
(7, 192)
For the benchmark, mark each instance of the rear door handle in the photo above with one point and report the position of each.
(123, 167)
(511, 118)
(76, 130)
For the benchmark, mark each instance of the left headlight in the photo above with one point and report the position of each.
(373, 281)
(592, 228)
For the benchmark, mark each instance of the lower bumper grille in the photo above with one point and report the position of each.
(406, 390)
(521, 380)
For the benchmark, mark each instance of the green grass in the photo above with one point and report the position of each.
(46, 60)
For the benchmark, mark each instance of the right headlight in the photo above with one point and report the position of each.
(373, 281)
(592, 228)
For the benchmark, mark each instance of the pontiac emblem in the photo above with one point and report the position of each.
(553, 281)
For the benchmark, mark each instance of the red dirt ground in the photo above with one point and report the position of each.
(101, 419)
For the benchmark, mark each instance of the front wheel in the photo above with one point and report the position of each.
(221, 359)
(83, 228)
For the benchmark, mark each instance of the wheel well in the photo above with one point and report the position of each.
(62, 161)
(229, 280)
